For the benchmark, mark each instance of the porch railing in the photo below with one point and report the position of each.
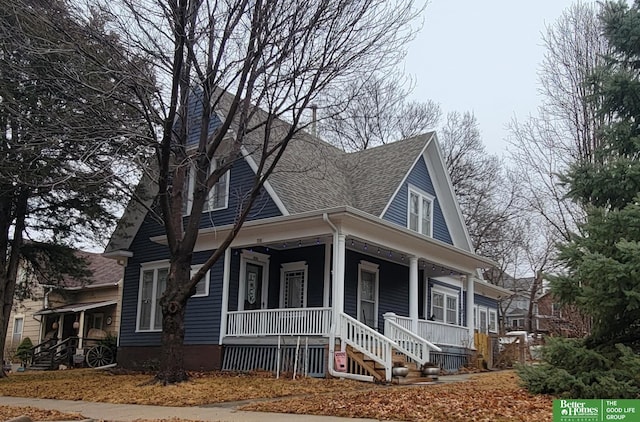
(438, 332)
(412, 345)
(279, 322)
(367, 341)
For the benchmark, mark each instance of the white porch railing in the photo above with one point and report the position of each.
(279, 322)
(412, 345)
(438, 332)
(367, 341)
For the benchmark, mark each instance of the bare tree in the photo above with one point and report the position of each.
(236, 78)
(567, 127)
(375, 111)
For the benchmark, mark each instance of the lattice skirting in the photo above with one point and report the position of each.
(312, 360)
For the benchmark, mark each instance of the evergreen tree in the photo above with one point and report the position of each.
(603, 262)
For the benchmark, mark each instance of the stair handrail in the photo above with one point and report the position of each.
(51, 348)
(367, 341)
(404, 337)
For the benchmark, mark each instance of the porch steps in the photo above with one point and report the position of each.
(377, 371)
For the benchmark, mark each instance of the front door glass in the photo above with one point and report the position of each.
(253, 287)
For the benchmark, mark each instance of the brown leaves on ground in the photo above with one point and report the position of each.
(11, 412)
(487, 397)
(204, 388)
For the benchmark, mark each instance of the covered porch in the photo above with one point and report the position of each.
(343, 277)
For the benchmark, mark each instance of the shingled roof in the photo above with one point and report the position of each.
(104, 272)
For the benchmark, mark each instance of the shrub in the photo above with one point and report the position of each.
(571, 370)
(23, 352)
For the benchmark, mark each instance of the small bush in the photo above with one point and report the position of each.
(571, 370)
(23, 352)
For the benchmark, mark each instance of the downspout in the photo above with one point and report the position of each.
(335, 317)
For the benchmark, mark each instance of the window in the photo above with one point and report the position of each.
(444, 306)
(420, 212)
(18, 325)
(293, 285)
(218, 195)
(202, 288)
(493, 321)
(368, 293)
(483, 320)
(153, 281)
(96, 321)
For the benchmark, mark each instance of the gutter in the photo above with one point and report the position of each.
(334, 324)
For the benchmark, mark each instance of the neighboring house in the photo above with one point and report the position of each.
(560, 320)
(360, 252)
(73, 308)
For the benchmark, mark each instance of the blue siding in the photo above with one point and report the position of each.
(393, 289)
(485, 301)
(314, 257)
(240, 181)
(397, 211)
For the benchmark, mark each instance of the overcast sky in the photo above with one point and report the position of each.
(482, 56)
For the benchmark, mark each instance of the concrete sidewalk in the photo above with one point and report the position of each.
(130, 412)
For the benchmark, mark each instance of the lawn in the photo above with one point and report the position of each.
(486, 397)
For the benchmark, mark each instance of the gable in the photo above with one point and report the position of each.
(397, 210)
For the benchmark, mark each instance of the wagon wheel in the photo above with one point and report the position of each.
(99, 356)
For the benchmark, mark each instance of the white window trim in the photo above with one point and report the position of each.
(205, 279)
(191, 186)
(256, 258)
(447, 293)
(485, 311)
(13, 329)
(422, 195)
(372, 268)
(155, 265)
(494, 313)
(294, 266)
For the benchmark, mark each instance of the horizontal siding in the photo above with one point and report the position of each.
(397, 211)
(241, 180)
(393, 289)
(485, 301)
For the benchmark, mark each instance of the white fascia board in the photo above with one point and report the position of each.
(267, 185)
(351, 222)
(406, 176)
(446, 195)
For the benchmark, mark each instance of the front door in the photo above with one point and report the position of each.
(253, 287)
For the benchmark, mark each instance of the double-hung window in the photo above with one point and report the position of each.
(218, 197)
(293, 285)
(444, 306)
(153, 281)
(202, 288)
(420, 212)
(18, 325)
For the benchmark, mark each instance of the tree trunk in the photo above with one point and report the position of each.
(173, 304)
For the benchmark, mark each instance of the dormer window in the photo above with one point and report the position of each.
(420, 217)
(218, 195)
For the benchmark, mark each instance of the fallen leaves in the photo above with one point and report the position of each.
(205, 388)
(487, 397)
(11, 412)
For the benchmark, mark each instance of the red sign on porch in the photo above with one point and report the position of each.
(341, 361)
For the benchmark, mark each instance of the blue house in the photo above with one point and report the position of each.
(362, 253)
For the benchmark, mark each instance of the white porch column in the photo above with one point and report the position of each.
(413, 292)
(338, 278)
(81, 329)
(224, 306)
(470, 302)
(327, 275)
